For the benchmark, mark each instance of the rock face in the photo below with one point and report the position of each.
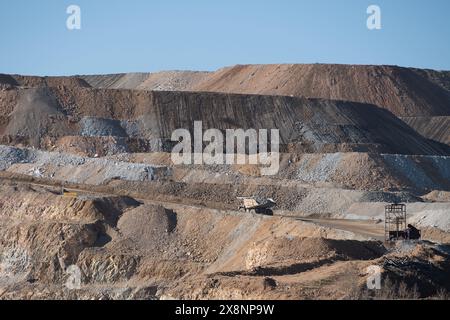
(433, 128)
(420, 96)
(38, 82)
(307, 125)
(403, 91)
(92, 207)
(406, 92)
(117, 248)
(162, 81)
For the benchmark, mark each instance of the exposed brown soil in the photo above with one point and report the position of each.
(402, 91)
(306, 125)
(165, 80)
(422, 96)
(434, 128)
(39, 82)
(405, 92)
(87, 184)
(182, 252)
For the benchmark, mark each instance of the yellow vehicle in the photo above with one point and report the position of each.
(68, 193)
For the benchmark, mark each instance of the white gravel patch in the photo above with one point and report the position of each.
(322, 171)
(410, 169)
(75, 168)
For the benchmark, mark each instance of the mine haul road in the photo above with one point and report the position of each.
(367, 228)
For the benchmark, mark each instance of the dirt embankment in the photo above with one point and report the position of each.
(421, 96)
(406, 92)
(181, 252)
(306, 125)
(116, 81)
(434, 128)
(402, 91)
(345, 153)
(40, 82)
(158, 81)
(441, 78)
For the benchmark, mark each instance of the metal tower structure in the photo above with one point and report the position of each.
(395, 225)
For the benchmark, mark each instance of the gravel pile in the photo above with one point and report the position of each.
(337, 202)
(100, 127)
(138, 129)
(11, 155)
(321, 171)
(417, 169)
(390, 197)
(437, 216)
(358, 170)
(132, 128)
(57, 159)
(420, 214)
(442, 164)
(76, 169)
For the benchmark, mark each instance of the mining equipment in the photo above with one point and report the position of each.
(251, 204)
(396, 227)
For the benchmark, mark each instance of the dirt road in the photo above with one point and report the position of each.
(367, 228)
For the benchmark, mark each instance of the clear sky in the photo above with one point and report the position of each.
(152, 35)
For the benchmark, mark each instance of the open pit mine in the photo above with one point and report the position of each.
(93, 207)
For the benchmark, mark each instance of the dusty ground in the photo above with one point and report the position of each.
(134, 226)
(139, 249)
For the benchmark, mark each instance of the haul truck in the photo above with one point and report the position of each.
(251, 204)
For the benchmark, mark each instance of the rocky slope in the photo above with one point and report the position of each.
(405, 92)
(411, 93)
(88, 189)
(306, 125)
(165, 80)
(433, 128)
(122, 249)
(402, 91)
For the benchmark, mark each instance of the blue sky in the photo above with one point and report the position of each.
(146, 35)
